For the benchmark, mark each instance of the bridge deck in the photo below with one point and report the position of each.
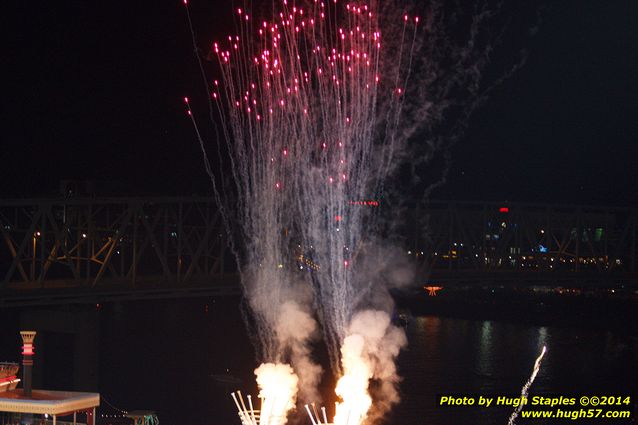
(76, 250)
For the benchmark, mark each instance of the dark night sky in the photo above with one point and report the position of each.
(92, 90)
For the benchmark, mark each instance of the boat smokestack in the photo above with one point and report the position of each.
(27, 360)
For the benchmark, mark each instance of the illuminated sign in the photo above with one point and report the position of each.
(365, 203)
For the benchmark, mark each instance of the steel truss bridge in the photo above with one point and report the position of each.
(462, 242)
(110, 249)
(65, 250)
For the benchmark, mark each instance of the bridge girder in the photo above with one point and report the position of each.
(180, 241)
(93, 242)
(525, 238)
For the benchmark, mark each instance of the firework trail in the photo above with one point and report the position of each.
(525, 389)
(315, 118)
(299, 97)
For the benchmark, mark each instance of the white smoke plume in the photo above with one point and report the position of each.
(278, 390)
(285, 326)
(301, 149)
(295, 330)
(368, 387)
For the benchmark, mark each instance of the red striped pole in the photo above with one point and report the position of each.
(27, 360)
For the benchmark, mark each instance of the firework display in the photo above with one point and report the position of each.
(311, 102)
(300, 99)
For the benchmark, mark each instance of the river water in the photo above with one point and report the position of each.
(172, 357)
(177, 356)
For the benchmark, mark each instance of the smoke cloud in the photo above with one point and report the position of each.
(303, 149)
(295, 330)
(368, 357)
(284, 323)
(278, 390)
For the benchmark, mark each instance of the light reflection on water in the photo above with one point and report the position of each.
(183, 344)
(456, 356)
